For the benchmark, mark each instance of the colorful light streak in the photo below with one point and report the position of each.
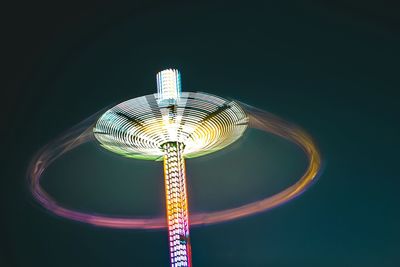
(258, 119)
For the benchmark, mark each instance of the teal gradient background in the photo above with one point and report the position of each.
(331, 67)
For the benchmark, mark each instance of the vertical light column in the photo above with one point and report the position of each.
(168, 87)
(177, 207)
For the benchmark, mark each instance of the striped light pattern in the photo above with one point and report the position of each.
(137, 128)
(177, 207)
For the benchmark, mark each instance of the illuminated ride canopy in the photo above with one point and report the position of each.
(172, 125)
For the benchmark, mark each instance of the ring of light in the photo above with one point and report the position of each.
(258, 119)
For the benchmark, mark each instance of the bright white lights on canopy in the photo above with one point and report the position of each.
(138, 127)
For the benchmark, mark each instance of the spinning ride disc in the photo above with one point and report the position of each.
(138, 128)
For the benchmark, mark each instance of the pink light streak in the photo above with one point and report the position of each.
(83, 133)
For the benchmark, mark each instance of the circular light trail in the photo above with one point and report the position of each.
(257, 119)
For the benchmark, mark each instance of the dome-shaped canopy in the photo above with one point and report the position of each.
(138, 127)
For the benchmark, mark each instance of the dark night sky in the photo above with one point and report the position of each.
(330, 66)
